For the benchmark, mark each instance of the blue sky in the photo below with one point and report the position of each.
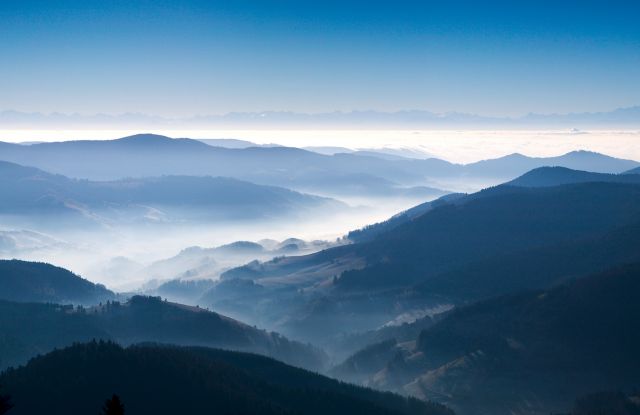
(185, 58)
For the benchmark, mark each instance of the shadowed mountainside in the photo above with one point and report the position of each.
(171, 380)
(28, 329)
(557, 176)
(525, 353)
(489, 243)
(44, 283)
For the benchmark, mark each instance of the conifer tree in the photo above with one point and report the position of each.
(5, 404)
(113, 406)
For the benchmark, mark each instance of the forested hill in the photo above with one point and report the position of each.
(30, 329)
(41, 282)
(173, 380)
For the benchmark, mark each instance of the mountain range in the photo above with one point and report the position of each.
(618, 118)
(513, 300)
(493, 242)
(344, 174)
(32, 192)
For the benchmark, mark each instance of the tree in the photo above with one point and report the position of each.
(5, 404)
(113, 406)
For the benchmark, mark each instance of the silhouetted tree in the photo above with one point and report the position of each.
(5, 404)
(113, 406)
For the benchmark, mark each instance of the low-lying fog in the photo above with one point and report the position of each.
(115, 255)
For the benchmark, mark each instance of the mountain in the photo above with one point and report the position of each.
(364, 119)
(44, 283)
(492, 222)
(528, 353)
(151, 155)
(147, 155)
(490, 243)
(180, 380)
(517, 164)
(557, 176)
(371, 231)
(28, 329)
(633, 171)
(30, 191)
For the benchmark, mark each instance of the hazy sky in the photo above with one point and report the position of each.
(184, 58)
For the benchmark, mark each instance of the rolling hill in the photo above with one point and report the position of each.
(30, 191)
(44, 283)
(497, 241)
(28, 329)
(171, 380)
(527, 353)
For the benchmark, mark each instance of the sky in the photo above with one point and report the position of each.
(180, 59)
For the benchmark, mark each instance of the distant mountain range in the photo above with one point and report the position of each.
(148, 155)
(168, 380)
(30, 192)
(619, 118)
(342, 174)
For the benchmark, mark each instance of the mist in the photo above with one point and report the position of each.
(115, 254)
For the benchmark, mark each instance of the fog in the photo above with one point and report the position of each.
(115, 255)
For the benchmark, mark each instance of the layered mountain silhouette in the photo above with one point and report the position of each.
(30, 191)
(490, 243)
(148, 155)
(44, 283)
(516, 299)
(172, 380)
(364, 119)
(185, 276)
(28, 329)
(531, 352)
